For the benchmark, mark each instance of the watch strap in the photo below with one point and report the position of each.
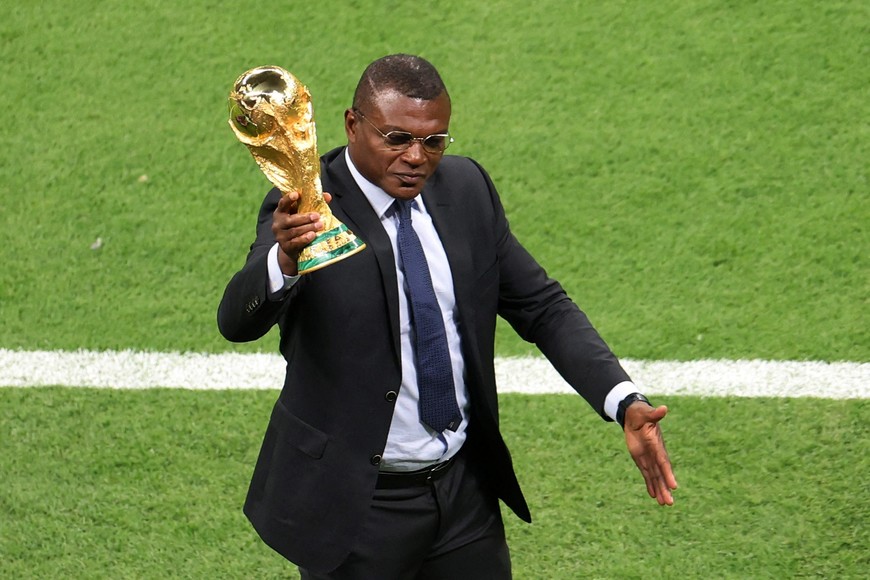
(625, 403)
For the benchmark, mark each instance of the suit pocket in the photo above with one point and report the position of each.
(294, 431)
(296, 468)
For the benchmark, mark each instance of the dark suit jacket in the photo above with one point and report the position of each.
(315, 475)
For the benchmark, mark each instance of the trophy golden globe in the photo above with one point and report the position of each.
(271, 113)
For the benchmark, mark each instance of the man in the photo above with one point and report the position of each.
(383, 458)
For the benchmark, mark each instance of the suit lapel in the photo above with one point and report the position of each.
(452, 225)
(359, 216)
(452, 228)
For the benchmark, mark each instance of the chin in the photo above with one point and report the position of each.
(405, 193)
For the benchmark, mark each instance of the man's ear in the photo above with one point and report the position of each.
(350, 125)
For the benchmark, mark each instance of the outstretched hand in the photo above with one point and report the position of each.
(643, 435)
(293, 231)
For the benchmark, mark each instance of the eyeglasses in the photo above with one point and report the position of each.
(401, 140)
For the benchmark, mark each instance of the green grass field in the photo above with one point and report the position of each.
(111, 484)
(695, 173)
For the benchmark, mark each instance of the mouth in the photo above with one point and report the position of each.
(411, 179)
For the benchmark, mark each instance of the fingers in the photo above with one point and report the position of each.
(296, 228)
(647, 447)
(658, 476)
(285, 219)
(287, 203)
(660, 485)
(293, 231)
(657, 487)
(657, 414)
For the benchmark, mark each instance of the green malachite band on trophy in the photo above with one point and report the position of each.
(317, 260)
(328, 235)
(309, 265)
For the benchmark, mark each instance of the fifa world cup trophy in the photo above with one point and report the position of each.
(271, 113)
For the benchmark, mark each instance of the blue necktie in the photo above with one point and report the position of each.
(438, 408)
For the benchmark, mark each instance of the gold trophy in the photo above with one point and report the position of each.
(271, 113)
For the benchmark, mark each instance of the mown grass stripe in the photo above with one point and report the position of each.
(141, 370)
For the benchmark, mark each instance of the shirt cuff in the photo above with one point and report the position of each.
(616, 395)
(278, 281)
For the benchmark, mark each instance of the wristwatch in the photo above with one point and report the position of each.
(625, 403)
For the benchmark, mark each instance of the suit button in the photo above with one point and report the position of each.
(391, 396)
(375, 459)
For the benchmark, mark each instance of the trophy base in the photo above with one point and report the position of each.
(328, 248)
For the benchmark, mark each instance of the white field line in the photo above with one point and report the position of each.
(142, 370)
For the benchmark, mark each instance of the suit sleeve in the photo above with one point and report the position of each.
(247, 311)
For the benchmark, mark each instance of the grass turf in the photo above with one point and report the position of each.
(693, 172)
(149, 484)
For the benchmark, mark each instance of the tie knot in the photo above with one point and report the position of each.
(404, 208)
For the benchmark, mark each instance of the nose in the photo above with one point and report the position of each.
(415, 154)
